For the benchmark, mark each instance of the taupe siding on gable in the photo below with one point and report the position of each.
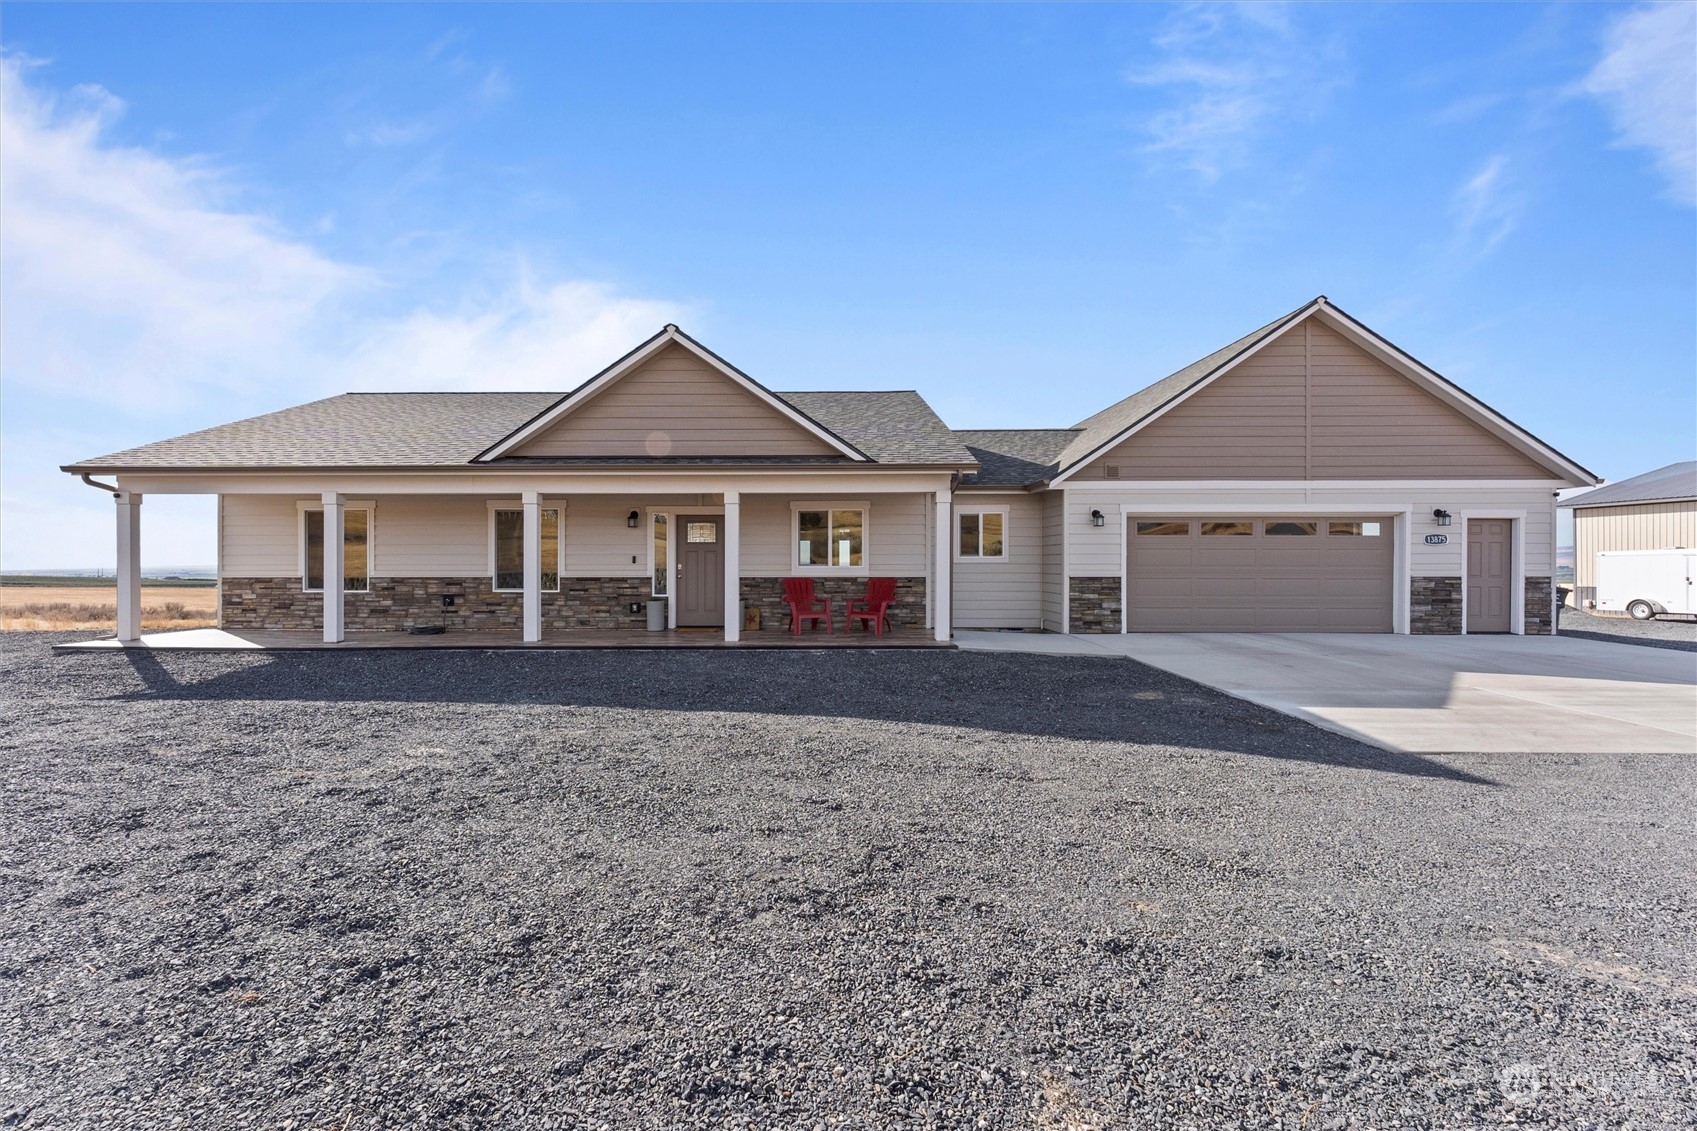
(675, 404)
(1311, 405)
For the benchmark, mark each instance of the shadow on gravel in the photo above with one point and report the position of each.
(1108, 700)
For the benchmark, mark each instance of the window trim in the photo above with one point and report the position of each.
(560, 546)
(962, 512)
(864, 569)
(369, 506)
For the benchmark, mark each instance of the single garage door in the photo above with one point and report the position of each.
(1260, 575)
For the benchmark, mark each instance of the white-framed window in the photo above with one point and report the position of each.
(830, 537)
(981, 534)
(506, 548)
(356, 547)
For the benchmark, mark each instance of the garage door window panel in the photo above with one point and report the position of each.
(1228, 529)
(1163, 529)
(1293, 529)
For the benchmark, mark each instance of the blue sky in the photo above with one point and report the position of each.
(1023, 212)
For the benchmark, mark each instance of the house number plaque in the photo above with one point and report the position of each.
(1437, 539)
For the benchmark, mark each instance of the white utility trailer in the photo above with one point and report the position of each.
(1646, 583)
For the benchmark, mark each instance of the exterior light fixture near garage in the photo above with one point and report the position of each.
(632, 519)
(1442, 516)
(1097, 518)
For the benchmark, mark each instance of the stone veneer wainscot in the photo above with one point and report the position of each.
(1434, 606)
(1540, 606)
(395, 604)
(1094, 604)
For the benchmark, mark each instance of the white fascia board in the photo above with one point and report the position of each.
(1147, 486)
(1221, 370)
(598, 384)
(862, 479)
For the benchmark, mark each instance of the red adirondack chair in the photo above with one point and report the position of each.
(798, 594)
(873, 609)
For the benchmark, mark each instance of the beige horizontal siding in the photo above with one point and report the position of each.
(895, 536)
(1054, 559)
(675, 404)
(430, 536)
(1003, 594)
(1312, 405)
(1640, 526)
(259, 536)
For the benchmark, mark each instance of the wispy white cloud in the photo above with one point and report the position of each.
(1486, 207)
(1232, 73)
(128, 273)
(140, 295)
(1647, 78)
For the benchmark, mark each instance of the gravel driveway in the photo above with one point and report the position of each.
(809, 889)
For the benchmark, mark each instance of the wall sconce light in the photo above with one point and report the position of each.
(632, 519)
(1097, 518)
(1442, 516)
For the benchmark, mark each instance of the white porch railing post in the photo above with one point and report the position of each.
(334, 568)
(532, 566)
(941, 616)
(732, 554)
(129, 566)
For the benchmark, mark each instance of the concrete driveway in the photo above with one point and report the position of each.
(1429, 694)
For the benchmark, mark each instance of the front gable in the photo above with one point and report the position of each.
(1312, 404)
(671, 397)
(674, 403)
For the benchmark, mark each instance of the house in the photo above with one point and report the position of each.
(1310, 476)
(1653, 511)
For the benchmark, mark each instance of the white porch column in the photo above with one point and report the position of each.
(334, 545)
(129, 565)
(532, 566)
(941, 616)
(733, 566)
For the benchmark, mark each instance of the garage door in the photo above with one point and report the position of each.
(1260, 575)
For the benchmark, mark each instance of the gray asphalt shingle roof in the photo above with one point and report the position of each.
(1014, 457)
(1674, 482)
(890, 427)
(351, 430)
(1094, 431)
(451, 429)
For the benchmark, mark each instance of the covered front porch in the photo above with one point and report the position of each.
(284, 640)
(554, 560)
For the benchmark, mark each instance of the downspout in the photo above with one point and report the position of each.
(113, 488)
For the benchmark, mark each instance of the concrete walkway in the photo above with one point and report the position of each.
(1428, 694)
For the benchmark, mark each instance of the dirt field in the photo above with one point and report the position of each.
(37, 608)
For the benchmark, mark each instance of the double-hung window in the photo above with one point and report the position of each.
(981, 534)
(506, 536)
(829, 537)
(356, 549)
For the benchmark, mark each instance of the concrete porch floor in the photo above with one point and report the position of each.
(246, 640)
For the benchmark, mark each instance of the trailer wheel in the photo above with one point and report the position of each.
(1641, 610)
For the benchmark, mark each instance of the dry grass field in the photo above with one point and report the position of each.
(40, 608)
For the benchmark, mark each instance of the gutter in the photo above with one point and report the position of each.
(112, 487)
